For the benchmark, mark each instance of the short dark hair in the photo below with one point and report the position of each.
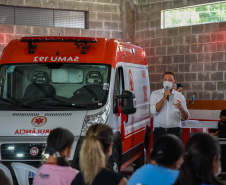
(167, 149)
(223, 112)
(170, 73)
(179, 85)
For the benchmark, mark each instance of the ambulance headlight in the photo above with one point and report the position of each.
(98, 118)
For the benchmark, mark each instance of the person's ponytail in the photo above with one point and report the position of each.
(58, 140)
(94, 157)
(62, 162)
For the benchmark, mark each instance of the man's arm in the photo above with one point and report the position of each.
(183, 111)
(214, 133)
(156, 106)
(160, 104)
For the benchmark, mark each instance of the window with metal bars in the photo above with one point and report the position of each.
(192, 15)
(42, 17)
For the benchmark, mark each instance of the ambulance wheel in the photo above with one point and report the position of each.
(116, 166)
(142, 160)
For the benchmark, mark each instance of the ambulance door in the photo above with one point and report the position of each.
(117, 146)
(118, 88)
(133, 146)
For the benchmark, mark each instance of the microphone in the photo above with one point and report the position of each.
(193, 99)
(167, 88)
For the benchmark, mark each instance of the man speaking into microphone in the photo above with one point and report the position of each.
(168, 107)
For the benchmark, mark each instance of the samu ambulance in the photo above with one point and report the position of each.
(73, 82)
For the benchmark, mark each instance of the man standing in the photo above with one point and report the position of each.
(168, 107)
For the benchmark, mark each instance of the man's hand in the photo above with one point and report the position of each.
(184, 113)
(178, 105)
(166, 93)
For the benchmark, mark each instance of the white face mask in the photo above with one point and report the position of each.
(167, 85)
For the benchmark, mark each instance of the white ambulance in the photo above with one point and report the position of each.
(73, 82)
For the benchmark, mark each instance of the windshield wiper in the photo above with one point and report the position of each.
(13, 102)
(71, 105)
(18, 104)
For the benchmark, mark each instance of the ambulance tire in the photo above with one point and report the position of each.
(142, 160)
(116, 166)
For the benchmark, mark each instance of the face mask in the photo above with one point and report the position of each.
(65, 157)
(180, 92)
(217, 167)
(167, 85)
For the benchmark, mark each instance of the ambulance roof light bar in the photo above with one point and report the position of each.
(77, 40)
(58, 39)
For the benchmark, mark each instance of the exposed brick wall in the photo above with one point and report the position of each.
(195, 53)
(105, 19)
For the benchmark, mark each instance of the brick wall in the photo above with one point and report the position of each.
(107, 18)
(195, 53)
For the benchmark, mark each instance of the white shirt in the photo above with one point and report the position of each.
(169, 116)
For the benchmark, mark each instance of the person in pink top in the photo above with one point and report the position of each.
(56, 169)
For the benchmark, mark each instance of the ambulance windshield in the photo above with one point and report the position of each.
(54, 86)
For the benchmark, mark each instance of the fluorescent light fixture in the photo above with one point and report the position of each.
(19, 155)
(11, 148)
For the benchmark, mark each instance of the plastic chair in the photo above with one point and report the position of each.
(6, 172)
(22, 172)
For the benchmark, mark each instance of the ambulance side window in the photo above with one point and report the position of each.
(119, 86)
(119, 81)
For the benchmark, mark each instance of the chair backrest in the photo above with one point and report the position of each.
(94, 77)
(22, 172)
(40, 86)
(7, 173)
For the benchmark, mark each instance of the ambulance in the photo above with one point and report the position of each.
(73, 82)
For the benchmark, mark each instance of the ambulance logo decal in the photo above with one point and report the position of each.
(143, 73)
(131, 84)
(39, 121)
(145, 93)
(34, 151)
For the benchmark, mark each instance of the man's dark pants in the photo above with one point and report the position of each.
(158, 131)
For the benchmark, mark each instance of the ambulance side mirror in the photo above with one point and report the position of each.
(127, 102)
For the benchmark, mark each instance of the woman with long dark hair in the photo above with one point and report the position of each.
(95, 150)
(201, 161)
(56, 169)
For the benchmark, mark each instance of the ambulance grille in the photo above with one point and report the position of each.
(11, 151)
(25, 114)
(58, 114)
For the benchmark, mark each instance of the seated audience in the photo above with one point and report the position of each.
(214, 132)
(165, 159)
(202, 161)
(56, 169)
(95, 150)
